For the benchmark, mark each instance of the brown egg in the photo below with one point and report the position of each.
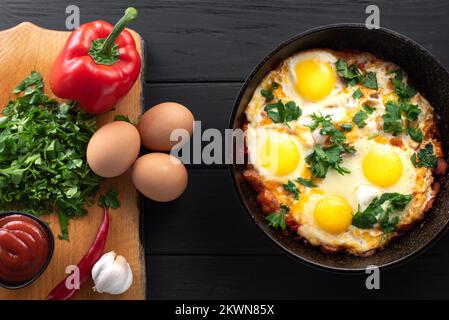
(156, 125)
(113, 149)
(159, 176)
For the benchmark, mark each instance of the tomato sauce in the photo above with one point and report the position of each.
(24, 248)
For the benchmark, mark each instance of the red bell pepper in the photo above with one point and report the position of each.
(98, 64)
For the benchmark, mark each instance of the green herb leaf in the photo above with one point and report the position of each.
(403, 91)
(277, 219)
(368, 109)
(392, 119)
(306, 182)
(291, 187)
(364, 220)
(323, 158)
(280, 113)
(64, 225)
(268, 93)
(360, 119)
(346, 127)
(411, 111)
(357, 94)
(416, 134)
(369, 80)
(122, 117)
(109, 200)
(351, 74)
(377, 213)
(425, 157)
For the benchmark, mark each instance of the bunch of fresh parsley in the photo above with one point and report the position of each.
(43, 155)
(330, 156)
(378, 212)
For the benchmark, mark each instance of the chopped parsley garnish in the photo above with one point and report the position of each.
(306, 182)
(411, 111)
(368, 109)
(324, 157)
(346, 127)
(277, 219)
(392, 119)
(360, 118)
(352, 75)
(283, 113)
(403, 91)
(393, 122)
(377, 212)
(369, 80)
(357, 94)
(425, 157)
(291, 187)
(327, 127)
(415, 134)
(268, 93)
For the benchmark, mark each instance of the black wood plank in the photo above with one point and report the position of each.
(211, 103)
(280, 277)
(207, 40)
(207, 219)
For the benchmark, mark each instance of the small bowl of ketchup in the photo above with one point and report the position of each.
(26, 248)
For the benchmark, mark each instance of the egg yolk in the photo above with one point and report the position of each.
(382, 167)
(314, 79)
(333, 214)
(279, 155)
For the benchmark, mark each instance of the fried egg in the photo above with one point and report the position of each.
(275, 154)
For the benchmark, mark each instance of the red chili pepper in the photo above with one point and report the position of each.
(61, 292)
(98, 64)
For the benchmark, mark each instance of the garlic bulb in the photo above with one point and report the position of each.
(112, 274)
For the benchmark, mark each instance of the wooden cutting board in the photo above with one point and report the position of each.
(28, 47)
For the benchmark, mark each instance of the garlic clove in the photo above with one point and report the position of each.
(112, 274)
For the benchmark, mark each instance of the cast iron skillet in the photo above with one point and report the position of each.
(428, 76)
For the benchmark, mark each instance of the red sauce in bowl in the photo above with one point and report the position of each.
(24, 248)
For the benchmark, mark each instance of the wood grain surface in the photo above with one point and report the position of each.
(204, 245)
(23, 49)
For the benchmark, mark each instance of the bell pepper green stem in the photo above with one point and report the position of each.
(130, 15)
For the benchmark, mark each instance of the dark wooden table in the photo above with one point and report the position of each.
(204, 245)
